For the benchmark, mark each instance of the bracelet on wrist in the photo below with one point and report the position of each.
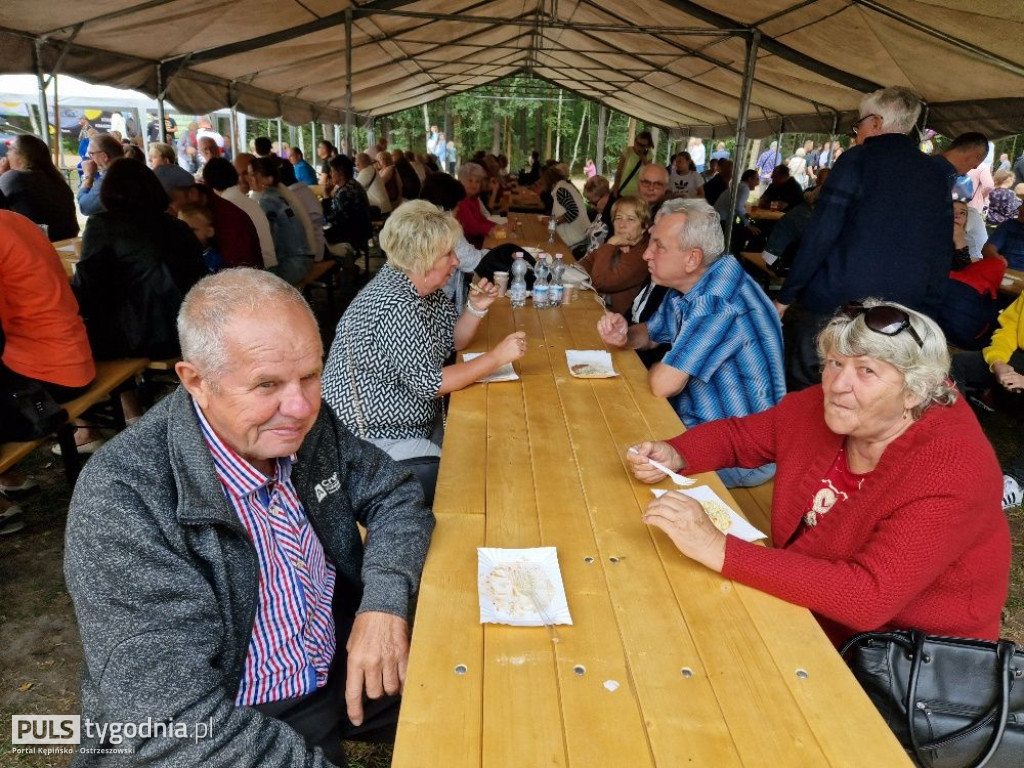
(474, 311)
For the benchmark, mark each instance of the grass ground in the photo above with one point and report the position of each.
(40, 653)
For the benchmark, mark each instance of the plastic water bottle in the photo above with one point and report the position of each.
(557, 287)
(552, 224)
(517, 288)
(541, 276)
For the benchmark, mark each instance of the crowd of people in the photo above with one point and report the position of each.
(255, 601)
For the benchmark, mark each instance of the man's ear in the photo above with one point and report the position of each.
(193, 382)
(694, 259)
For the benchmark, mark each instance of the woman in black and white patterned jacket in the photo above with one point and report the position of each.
(385, 373)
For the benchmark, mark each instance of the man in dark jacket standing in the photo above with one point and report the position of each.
(880, 229)
(213, 555)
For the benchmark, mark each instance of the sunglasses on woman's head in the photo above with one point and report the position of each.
(882, 318)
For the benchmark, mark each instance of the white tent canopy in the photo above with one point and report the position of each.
(673, 63)
(75, 93)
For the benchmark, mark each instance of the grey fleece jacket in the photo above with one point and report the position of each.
(164, 580)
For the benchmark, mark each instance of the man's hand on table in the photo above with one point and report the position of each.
(613, 329)
(689, 527)
(661, 452)
(378, 654)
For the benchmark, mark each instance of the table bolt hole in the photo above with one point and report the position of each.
(461, 669)
(686, 672)
(580, 670)
(613, 559)
(588, 560)
(802, 674)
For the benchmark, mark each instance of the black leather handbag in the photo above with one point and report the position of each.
(28, 411)
(952, 702)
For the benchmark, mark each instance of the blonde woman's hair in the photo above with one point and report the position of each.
(639, 206)
(416, 234)
(925, 368)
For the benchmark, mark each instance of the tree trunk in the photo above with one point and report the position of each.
(508, 138)
(579, 135)
(755, 151)
(547, 139)
(558, 128)
(426, 121)
(602, 128)
(496, 137)
(524, 137)
(655, 141)
(630, 131)
(538, 128)
(590, 131)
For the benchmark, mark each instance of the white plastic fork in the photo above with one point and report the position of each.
(675, 476)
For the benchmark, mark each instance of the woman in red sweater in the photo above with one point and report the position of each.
(886, 508)
(469, 213)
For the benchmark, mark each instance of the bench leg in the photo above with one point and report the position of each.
(69, 452)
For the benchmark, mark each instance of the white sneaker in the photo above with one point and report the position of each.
(1013, 494)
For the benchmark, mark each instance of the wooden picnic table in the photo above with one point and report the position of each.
(1013, 282)
(666, 663)
(764, 214)
(527, 229)
(525, 199)
(70, 251)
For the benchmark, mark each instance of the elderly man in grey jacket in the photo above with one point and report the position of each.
(223, 592)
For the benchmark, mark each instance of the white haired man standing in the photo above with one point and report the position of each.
(880, 229)
(214, 559)
(726, 354)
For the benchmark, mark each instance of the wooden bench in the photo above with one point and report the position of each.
(756, 505)
(111, 375)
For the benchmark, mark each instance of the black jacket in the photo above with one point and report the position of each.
(132, 276)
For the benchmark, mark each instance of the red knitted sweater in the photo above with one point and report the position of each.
(922, 545)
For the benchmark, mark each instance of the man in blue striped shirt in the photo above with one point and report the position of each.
(726, 355)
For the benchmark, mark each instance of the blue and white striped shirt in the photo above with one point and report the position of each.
(293, 640)
(727, 336)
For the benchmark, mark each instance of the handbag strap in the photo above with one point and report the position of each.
(1004, 653)
(360, 419)
(629, 178)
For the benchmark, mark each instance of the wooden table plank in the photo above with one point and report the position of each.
(601, 726)
(796, 642)
(519, 664)
(448, 598)
(685, 723)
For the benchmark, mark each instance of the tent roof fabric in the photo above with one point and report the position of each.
(673, 63)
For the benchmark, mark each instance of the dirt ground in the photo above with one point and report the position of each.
(40, 652)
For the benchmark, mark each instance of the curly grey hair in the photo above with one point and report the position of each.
(925, 368)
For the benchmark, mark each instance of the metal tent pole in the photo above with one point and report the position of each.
(753, 42)
(44, 113)
(233, 129)
(160, 114)
(348, 82)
